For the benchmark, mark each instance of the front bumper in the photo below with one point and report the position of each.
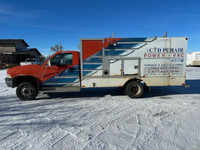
(9, 82)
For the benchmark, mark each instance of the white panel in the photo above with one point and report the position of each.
(119, 82)
(131, 67)
(115, 68)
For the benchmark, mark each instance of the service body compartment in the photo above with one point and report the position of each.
(156, 61)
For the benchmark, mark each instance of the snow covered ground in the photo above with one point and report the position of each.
(167, 118)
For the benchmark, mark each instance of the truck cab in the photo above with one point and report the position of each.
(49, 75)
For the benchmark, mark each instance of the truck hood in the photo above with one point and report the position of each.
(30, 70)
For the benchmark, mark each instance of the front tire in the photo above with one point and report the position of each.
(26, 91)
(134, 89)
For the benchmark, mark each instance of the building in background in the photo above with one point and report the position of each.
(14, 51)
(193, 59)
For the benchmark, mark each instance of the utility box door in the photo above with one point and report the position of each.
(131, 67)
(115, 68)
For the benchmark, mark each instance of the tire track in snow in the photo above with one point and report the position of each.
(138, 125)
(120, 116)
(37, 138)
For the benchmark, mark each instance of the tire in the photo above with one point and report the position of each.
(26, 91)
(134, 89)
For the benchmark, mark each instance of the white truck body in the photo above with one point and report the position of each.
(159, 61)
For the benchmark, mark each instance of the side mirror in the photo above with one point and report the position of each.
(49, 63)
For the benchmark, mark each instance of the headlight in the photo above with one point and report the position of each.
(8, 76)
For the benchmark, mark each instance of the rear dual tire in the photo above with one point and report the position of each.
(26, 91)
(134, 89)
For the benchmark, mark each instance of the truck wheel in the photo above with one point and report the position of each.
(26, 91)
(134, 89)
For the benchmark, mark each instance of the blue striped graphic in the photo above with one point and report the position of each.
(94, 63)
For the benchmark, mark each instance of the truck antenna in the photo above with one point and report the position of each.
(165, 34)
(61, 47)
(113, 34)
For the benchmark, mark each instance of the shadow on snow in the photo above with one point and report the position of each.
(155, 91)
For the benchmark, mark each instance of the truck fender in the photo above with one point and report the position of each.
(146, 88)
(134, 79)
(19, 79)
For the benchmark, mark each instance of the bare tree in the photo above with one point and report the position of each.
(57, 48)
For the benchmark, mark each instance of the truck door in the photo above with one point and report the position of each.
(131, 66)
(61, 73)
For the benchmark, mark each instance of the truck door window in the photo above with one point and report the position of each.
(62, 59)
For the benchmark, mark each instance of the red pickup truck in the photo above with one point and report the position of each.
(30, 78)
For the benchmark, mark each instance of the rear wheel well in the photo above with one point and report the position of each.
(135, 79)
(19, 79)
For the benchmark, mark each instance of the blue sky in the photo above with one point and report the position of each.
(44, 23)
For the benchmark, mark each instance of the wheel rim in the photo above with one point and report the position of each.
(26, 91)
(135, 89)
